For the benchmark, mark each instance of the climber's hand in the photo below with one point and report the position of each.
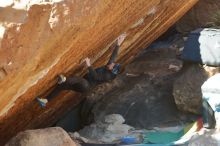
(87, 61)
(121, 38)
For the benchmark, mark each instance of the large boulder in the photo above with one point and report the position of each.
(54, 136)
(40, 39)
(203, 14)
(187, 88)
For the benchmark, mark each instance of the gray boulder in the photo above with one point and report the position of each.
(187, 88)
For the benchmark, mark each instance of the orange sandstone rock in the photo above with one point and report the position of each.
(42, 38)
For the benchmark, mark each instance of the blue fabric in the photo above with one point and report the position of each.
(116, 69)
(129, 140)
(191, 51)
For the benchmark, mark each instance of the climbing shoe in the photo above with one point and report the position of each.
(61, 79)
(42, 102)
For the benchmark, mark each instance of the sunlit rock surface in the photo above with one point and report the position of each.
(42, 38)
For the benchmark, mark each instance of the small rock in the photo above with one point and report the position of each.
(174, 67)
(132, 75)
(114, 119)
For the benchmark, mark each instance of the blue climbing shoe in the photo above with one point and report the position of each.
(42, 102)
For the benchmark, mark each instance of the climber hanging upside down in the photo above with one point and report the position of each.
(96, 76)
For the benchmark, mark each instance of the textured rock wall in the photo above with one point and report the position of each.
(202, 15)
(42, 38)
(187, 88)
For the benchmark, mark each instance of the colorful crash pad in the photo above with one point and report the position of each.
(169, 138)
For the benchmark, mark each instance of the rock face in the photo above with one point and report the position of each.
(187, 87)
(142, 95)
(42, 137)
(41, 38)
(201, 15)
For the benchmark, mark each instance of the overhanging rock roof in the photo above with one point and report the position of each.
(41, 40)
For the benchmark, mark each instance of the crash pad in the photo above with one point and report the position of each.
(167, 137)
